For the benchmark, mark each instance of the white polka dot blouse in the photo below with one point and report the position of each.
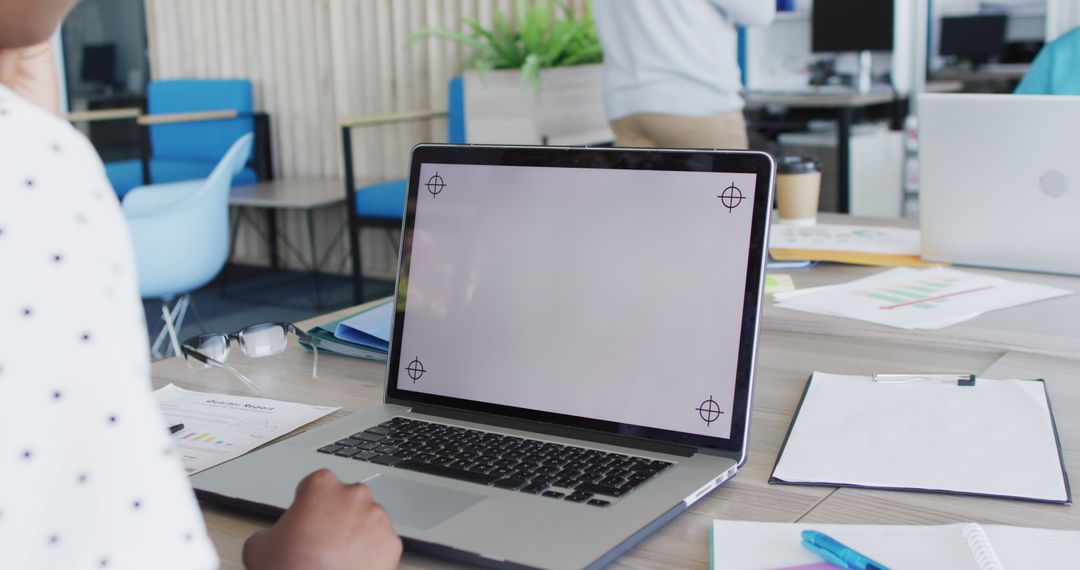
(88, 477)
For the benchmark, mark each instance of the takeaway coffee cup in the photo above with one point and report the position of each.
(798, 187)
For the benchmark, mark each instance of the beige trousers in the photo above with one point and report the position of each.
(655, 130)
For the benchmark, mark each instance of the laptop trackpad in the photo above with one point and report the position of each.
(419, 505)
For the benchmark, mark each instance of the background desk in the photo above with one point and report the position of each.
(987, 79)
(841, 106)
(304, 196)
(1012, 342)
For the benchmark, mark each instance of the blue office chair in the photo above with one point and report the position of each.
(179, 147)
(383, 204)
(181, 236)
(1056, 70)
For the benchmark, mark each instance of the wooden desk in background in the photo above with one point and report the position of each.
(842, 106)
(304, 196)
(1036, 340)
(997, 78)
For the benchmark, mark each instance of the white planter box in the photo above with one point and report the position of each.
(568, 109)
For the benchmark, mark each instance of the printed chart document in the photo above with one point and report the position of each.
(994, 438)
(917, 298)
(965, 546)
(220, 427)
(860, 245)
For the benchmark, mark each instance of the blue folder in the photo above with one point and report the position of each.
(369, 328)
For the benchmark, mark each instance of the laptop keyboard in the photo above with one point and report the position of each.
(553, 470)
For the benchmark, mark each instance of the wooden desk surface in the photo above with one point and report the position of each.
(1028, 341)
(1048, 327)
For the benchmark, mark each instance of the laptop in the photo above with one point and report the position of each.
(572, 356)
(1000, 181)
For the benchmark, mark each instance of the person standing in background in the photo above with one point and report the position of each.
(1056, 70)
(671, 72)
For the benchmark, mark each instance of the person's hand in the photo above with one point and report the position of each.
(31, 72)
(329, 526)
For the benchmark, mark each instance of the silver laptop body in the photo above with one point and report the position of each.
(599, 301)
(1000, 181)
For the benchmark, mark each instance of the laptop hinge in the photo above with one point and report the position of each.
(556, 430)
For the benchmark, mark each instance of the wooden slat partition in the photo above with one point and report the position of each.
(314, 63)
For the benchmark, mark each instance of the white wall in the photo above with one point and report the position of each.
(314, 63)
(61, 78)
(1061, 16)
(778, 57)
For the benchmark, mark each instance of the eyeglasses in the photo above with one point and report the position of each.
(255, 341)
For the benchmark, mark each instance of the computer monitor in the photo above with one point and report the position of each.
(1021, 51)
(99, 64)
(977, 38)
(852, 25)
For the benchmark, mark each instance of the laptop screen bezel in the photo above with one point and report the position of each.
(756, 163)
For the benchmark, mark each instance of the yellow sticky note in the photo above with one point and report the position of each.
(778, 283)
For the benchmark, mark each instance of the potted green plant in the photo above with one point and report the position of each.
(534, 80)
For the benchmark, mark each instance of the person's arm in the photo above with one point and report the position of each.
(747, 12)
(330, 526)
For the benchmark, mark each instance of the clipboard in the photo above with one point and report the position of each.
(923, 438)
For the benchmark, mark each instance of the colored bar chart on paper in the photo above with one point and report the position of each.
(206, 438)
(917, 298)
(923, 294)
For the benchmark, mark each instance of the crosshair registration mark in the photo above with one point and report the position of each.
(731, 197)
(415, 369)
(709, 411)
(435, 185)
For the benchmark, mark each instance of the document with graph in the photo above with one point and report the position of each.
(991, 437)
(917, 298)
(220, 427)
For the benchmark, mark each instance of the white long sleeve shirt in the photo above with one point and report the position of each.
(88, 477)
(674, 56)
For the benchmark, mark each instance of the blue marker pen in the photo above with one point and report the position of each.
(836, 553)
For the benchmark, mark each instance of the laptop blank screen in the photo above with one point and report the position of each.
(615, 296)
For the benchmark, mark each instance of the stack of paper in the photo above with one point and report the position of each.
(860, 245)
(917, 298)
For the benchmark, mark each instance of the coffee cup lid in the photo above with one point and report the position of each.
(797, 165)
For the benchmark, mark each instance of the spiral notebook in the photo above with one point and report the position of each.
(778, 546)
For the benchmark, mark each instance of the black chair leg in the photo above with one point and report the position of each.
(354, 225)
(357, 268)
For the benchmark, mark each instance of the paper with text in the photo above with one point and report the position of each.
(220, 427)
